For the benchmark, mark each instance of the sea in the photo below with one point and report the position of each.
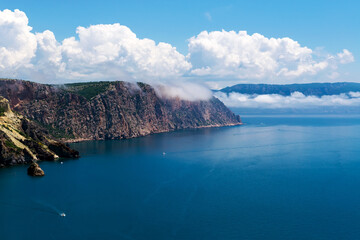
(275, 177)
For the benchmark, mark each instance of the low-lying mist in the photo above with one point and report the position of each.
(295, 100)
(184, 90)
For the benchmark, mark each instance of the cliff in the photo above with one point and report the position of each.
(22, 141)
(110, 110)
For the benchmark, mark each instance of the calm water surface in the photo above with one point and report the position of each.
(277, 177)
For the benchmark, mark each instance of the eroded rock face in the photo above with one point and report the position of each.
(35, 170)
(22, 141)
(115, 110)
(63, 150)
(4, 106)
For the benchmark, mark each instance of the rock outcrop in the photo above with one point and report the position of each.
(23, 142)
(110, 110)
(35, 170)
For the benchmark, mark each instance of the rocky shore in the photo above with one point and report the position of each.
(23, 142)
(36, 119)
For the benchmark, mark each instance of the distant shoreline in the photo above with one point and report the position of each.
(77, 140)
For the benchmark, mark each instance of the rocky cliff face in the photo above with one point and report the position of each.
(110, 110)
(22, 141)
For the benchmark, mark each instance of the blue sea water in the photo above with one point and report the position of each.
(276, 177)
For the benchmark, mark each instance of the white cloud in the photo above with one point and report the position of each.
(114, 52)
(101, 52)
(184, 90)
(110, 51)
(17, 43)
(223, 54)
(295, 100)
(354, 94)
(345, 57)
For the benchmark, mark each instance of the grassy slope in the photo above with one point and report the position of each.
(10, 127)
(87, 90)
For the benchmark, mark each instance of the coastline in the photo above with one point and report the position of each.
(76, 140)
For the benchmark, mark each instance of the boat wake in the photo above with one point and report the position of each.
(36, 206)
(50, 208)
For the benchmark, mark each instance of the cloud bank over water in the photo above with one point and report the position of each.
(114, 52)
(295, 100)
(239, 55)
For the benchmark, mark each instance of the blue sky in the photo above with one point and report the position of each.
(328, 26)
(331, 24)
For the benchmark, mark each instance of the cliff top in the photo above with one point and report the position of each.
(88, 90)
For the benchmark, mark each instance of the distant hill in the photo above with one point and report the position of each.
(315, 89)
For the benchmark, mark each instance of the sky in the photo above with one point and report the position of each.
(215, 43)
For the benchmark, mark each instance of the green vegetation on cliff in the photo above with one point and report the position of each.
(2, 111)
(88, 90)
(22, 141)
(114, 110)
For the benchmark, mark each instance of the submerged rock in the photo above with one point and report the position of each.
(35, 170)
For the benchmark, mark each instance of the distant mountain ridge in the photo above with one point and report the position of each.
(314, 89)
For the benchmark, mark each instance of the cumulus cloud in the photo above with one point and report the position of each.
(100, 52)
(295, 100)
(114, 52)
(230, 54)
(104, 51)
(345, 56)
(17, 43)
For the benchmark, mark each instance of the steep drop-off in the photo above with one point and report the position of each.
(110, 110)
(22, 141)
